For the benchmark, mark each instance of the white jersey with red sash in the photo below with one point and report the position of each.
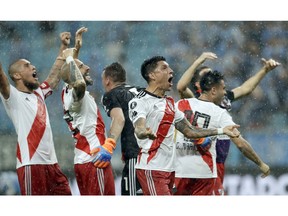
(85, 122)
(161, 115)
(29, 115)
(192, 161)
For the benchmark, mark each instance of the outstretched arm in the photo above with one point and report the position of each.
(182, 85)
(4, 84)
(78, 40)
(247, 150)
(192, 132)
(54, 76)
(249, 85)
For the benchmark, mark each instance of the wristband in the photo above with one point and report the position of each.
(69, 59)
(220, 131)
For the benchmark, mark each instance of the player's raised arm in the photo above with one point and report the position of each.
(72, 75)
(4, 83)
(65, 38)
(78, 40)
(249, 85)
(183, 83)
(53, 78)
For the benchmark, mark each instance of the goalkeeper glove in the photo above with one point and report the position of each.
(204, 143)
(103, 153)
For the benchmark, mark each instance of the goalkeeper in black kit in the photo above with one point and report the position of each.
(115, 102)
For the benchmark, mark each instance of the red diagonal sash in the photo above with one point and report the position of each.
(38, 127)
(163, 128)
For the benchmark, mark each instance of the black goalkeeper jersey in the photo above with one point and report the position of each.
(119, 97)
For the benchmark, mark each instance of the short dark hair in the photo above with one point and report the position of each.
(210, 80)
(149, 65)
(116, 72)
(196, 77)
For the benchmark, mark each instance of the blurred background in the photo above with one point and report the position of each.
(239, 45)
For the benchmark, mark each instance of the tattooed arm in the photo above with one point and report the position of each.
(53, 78)
(141, 131)
(190, 131)
(73, 75)
(247, 150)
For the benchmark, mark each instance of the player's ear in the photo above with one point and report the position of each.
(16, 76)
(214, 90)
(151, 76)
(197, 84)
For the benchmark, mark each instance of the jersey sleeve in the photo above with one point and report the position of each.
(110, 101)
(137, 109)
(179, 115)
(46, 89)
(226, 119)
(10, 103)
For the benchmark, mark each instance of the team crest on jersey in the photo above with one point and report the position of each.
(133, 105)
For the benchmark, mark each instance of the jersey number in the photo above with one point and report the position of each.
(198, 119)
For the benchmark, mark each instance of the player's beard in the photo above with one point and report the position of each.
(31, 86)
(88, 81)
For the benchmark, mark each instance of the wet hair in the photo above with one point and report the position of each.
(210, 80)
(196, 77)
(149, 65)
(116, 72)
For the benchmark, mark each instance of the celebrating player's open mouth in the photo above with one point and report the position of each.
(35, 75)
(170, 81)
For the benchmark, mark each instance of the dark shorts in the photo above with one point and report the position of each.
(129, 182)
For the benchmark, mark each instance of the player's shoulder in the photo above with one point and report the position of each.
(112, 94)
(186, 100)
(141, 98)
(141, 94)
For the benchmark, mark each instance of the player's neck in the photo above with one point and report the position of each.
(205, 97)
(117, 84)
(156, 91)
(24, 89)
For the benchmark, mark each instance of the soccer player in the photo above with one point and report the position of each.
(93, 171)
(115, 102)
(37, 166)
(196, 170)
(155, 118)
(193, 75)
